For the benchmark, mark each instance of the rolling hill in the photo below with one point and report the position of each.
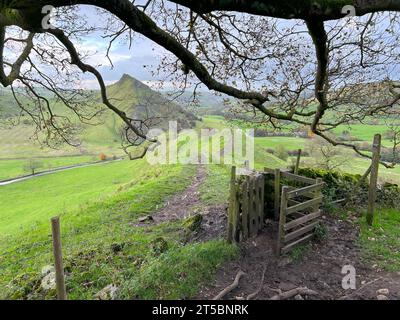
(128, 94)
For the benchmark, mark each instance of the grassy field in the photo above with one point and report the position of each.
(99, 207)
(365, 132)
(18, 167)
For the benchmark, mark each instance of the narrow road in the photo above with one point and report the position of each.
(60, 169)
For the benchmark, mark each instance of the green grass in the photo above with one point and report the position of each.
(290, 143)
(28, 202)
(381, 242)
(215, 190)
(365, 132)
(15, 168)
(102, 205)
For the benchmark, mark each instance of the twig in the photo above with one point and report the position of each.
(255, 293)
(228, 289)
(294, 292)
(360, 288)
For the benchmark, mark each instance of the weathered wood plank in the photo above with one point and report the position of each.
(277, 192)
(232, 205)
(304, 205)
(291, 245)
(302, 220)
(282, 220)
(262, 201)
(254, 206)
(305, 190)
(297, 165)
(297, 178)
(373, 180)
(245, 209)
(297, 233)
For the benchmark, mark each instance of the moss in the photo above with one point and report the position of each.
(159, 245)
(192, 223)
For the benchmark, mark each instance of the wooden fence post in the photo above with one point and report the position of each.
(58, 263)
(232, 224)
(244, 198)
(296, 168)
(376, 154)
(282, 220)
(318, 193)
(277, 192)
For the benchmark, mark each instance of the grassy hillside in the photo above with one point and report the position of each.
(99, 207)
(128, 94)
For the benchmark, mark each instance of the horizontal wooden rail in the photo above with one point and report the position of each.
(291, 245)
(305, 190)
(295, 177)
(297, 233)
(304, 205)
(302, 220)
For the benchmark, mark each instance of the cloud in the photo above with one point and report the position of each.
(92, 84)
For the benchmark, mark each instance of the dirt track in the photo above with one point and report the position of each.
(319, 268)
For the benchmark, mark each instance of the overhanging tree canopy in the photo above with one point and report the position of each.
(313, 68)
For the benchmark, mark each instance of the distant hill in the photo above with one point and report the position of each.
(206, 103)
(128, 94)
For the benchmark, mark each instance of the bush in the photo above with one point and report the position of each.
(281, 152)
(320, 232)
(339, 185)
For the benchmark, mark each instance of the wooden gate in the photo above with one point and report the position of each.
(299, 213)
(246, 206)
(293, 199)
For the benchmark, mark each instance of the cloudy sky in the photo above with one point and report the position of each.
(125, 60)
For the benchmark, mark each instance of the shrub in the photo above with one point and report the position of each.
(320, 232)
(339, 185)
(281, 152)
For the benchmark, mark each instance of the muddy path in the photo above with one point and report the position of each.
(188, 203)
(319, 268)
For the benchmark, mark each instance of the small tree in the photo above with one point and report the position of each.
(32, 165)
(326, 156)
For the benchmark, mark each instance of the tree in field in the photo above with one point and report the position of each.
(32, 165)
(325, 155)
(316, 63)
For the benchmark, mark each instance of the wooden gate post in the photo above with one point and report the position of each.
(277, 191)
(58, 263)
(296, 168)
(282, 220)
(376, 155)
(232, 207)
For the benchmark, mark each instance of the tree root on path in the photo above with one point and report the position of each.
(228, 289)
(255, 293)
(294, 292)
(359, 289)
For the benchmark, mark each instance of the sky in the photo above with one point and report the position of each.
(125, 60)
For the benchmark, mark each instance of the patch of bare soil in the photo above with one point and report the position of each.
(318, 269)
(188, 203)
